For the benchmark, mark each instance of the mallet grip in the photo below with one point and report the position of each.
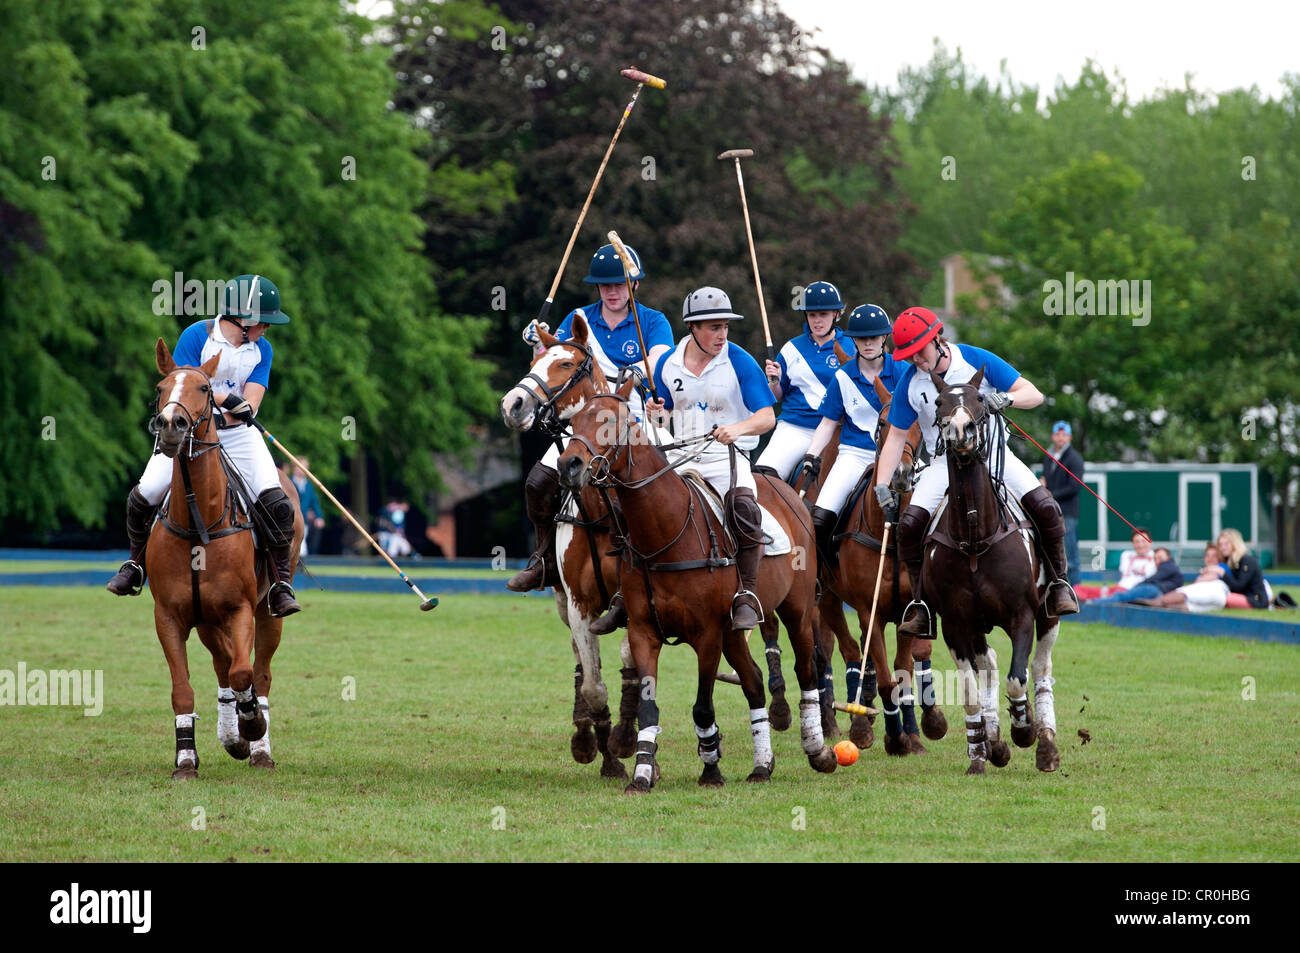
(637, 76)
(853, 709)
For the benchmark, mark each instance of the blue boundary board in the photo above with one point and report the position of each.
(1188, 623)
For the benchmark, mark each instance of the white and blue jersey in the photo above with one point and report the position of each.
(915, 394)
(618, 347)
(240, 364)
(806, 370)
(731, 388)
(853, 399)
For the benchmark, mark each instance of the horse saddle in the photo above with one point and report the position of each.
(776, 542)
(859, 534)
(1013, 520)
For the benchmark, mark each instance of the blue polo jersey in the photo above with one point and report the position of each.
(806, 370)
(616, 348)
(853, 399)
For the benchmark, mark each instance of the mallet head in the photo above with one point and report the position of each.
(737, 154)
(637, 76)
(429, 603)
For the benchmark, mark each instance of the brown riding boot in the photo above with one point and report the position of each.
(911, 547)
(615, 617)
(1043, 510)
(824, 521)
(278, 509)
(747, 523)
(542, 499)
(129, 580)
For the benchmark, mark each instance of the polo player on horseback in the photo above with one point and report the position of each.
(613, 340)
(251, 304)
(715, 386)
(918, 339)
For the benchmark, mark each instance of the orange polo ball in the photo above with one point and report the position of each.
(846, 753)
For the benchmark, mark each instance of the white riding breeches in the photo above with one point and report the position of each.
(850, 464)
(244, 446)
(933, 484)
(715, 466)
(786, 448)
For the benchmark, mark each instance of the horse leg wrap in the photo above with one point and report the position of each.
(989, 703)
(760, 729)
(925, 682)
(710, 745)
(907, 706)
(1045, 703)
(1019, 711)
(852, 677)
(828, 684)
(629, 699)
(976, 749)
(646, 746)
(893, 722)
(227, 723)
(810, 722)
(581, 713)
(869, 688)
(186, 750)
(263, 744)
(775, 680)
(246, 704)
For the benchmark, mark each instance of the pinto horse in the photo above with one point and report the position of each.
(679, 581)
(980, 571)
(561, 381)
(852, 579)
(202, 574)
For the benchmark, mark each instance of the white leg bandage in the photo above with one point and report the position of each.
(810, 721)
(1019, 704)
(263, 744)
(975, 747)
(760, 729)
(227, 723)
(1045, 703)
(644, 770)
(186, 756)
(709, 734)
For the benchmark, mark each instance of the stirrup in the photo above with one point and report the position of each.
(754, 604)
(615, 617)
(132, 589)
(1047, 594)
(903, 624)
(276, 586)
(535, 560)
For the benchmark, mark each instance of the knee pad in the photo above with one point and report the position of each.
(746, 518)
(542, 479)
(277, 512)
(911, 533)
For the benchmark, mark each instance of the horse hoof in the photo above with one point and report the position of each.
(1022, 735)
(187, 773)
(637, 787)
(999, 753)
(830, 728)
(622, 740)
(895, 745)
(261, 759)
(778, 712)
(976, 767)
(613, 768)
(824, 761)
(861, 733)
(914, 745)
(711, 777)
(1047, 757)
(934, 723)
(253, 729)
(583, 745)
(238, 749)
(761, 773)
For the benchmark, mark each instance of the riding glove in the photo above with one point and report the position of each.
(998, 401)
(888, 501)
(533, 333)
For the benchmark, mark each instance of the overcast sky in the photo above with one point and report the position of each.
(1151, 42)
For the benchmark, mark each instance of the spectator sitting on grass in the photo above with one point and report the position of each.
(1241, 572)
(1136, 565)
(1208, 593)
(1166, 578)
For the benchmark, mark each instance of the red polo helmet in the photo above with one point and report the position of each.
(914, 329)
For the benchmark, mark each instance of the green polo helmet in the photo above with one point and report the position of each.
(252, 299)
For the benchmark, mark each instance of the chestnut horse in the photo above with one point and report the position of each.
(679, 579)
(981, 571)
(852, 579)
(561, 381)
(202, 574)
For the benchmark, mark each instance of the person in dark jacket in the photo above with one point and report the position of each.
(1166, 578)
(1065, 489)
(1241, 572)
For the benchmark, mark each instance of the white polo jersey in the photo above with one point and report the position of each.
(731, 388)
(919, 393)
(239, 365)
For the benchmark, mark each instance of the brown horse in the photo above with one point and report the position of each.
(982, 570)
(561, 381)
(202, 574)
(679, 580)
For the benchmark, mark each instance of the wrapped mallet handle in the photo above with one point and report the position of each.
(853, 709)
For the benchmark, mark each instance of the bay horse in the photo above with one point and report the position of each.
(202, 574)
(562, 380)
(852, 579)
(679, 581)
(981, 571)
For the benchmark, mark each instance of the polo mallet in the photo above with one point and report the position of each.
(856, 707)
(641, 79)
(739, 154)
(628, 267)
(426, 602)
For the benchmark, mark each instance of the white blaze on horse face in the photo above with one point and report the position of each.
(957, 424)
(174, 400)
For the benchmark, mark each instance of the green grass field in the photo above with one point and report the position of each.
(456, 748)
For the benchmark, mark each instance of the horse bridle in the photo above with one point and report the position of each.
(981, 423)
(548, 420)
(193, 424)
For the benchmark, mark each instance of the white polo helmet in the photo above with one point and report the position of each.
(708, 304)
